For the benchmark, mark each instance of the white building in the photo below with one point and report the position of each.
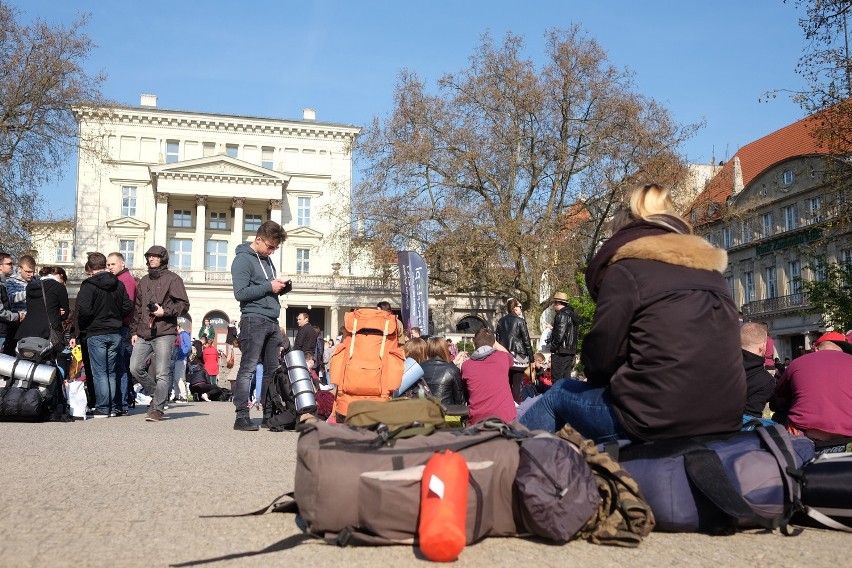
(199, 184)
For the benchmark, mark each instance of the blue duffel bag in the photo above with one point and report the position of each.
(718, 484)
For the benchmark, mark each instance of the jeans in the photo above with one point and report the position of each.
(177, 378)
(103, 355)
(122, 364)
(588, 409)
(159, 351)
(260, 342)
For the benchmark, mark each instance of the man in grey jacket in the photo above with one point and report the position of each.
(257, 287)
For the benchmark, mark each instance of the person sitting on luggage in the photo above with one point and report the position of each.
(759, 383)
(484, 376)
(444, 378)
(814, 395)
(199, 385)
(658, 288)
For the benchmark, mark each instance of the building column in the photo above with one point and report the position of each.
(199, 247)
(334, 322)
(275, 214)
(237, 229)
(161, 219)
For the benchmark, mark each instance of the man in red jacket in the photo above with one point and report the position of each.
(815, 392)
(115, 264)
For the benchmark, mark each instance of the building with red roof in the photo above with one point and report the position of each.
(773, 208)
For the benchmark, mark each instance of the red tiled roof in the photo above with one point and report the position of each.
(794, 140)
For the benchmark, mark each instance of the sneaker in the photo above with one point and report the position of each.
(154, 415)
(181, 400)
(204, 397)
(119, 413)
(245, 425)
(100, 414)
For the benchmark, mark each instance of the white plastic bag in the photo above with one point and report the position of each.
(75, 392)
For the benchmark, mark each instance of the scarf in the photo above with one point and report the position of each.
(654, 225)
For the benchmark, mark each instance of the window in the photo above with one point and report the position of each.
(303, 261)
(815, 206)
(819, 270)
(181, 218)
(63, 251)
(128, 201)
(748, 287)
(787, 177)
(209, 149)
(771, 283)
(746, 234)
(846, 256)
(127, 248)
(180, 254)
(232, 150)
(791, 218)
(266, 158)
(726, 237)
(252, 223)
(218, 221)
(794, 274)
(172, 151)
(767, 225)
(303, 212)
(217, 256)
(730, 281)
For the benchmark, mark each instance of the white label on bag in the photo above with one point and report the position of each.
(436, 486)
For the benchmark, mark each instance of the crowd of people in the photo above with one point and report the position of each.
(644, 375)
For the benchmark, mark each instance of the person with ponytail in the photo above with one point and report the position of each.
(662, 358)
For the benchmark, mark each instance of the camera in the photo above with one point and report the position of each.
(152, 307)
(288, 287)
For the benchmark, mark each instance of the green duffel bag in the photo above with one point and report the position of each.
(399, 417)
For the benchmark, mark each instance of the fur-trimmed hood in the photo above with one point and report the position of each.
(689, 251)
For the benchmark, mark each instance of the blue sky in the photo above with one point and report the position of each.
(707, 60)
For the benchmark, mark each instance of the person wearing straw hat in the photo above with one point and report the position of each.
(563, 340)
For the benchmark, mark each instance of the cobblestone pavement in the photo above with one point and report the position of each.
(124, 492)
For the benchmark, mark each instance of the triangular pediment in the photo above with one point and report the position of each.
(127, 223)
(219, 165)
(304, 232)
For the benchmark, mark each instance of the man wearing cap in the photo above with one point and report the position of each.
(563, 340)
(814, 395)
(160, 298)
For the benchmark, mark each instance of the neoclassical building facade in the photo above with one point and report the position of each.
(199, 184)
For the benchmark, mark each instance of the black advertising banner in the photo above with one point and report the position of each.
(414, 283)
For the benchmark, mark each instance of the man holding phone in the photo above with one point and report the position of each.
(257, 288)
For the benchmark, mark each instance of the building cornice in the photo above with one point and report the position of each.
(199, 121)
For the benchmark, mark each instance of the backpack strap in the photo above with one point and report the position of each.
(826, 520)
(352, 339)
(384, 340)
(776, 440)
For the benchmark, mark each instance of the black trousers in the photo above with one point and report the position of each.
(561, 366)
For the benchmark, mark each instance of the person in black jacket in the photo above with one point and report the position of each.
(47, 306)
(306, 337)
(760, 384)
(661, 301)
(563, 340)
(102, 304)
(441, 375)
(512, 334)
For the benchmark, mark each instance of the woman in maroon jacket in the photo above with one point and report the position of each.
(663, 356)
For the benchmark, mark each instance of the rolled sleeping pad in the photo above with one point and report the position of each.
(413, 372)
(25, 371)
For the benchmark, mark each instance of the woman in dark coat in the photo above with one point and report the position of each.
(47, 299)
(662, 302)
(512, 334)
(442, 376)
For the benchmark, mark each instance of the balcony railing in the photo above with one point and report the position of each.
(793, 302)
(300, 281)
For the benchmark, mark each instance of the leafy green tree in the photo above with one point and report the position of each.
(832, 295)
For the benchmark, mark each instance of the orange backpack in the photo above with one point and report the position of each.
(368, 364)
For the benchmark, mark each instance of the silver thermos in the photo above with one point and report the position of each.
(301, 383)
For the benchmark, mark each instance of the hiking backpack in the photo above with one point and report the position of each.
(368, 363)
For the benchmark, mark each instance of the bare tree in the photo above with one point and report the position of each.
(508, 172)
(41, 78)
